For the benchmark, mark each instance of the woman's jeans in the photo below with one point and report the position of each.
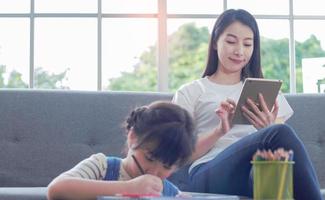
(230, 171)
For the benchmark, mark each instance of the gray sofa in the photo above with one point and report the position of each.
(43, 133)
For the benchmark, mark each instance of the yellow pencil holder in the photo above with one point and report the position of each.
(273, 179)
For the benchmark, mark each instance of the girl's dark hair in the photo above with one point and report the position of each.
(164, 129)
(253, 67)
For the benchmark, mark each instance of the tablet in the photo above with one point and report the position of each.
(251, 87)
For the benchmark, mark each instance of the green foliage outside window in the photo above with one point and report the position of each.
(275, 58)
(43, 79)
(187, 57)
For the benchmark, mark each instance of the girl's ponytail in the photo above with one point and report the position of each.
(135, 116)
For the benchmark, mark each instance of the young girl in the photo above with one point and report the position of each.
(160, 139)
(221, 162)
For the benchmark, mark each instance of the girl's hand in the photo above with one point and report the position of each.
(226, 114)
(145, 184)
(258, 114)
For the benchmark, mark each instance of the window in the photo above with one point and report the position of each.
(187, 49)
(131, 45)
(14, 53)
(275, 50)
(310, 7)
(63, 6)
(194, 7)
(310, 56)
(129, 58)
(129, 6)
(262, 7)
(65, 47)
(14, 6)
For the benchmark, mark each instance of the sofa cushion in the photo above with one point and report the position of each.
(44, 133)
(309, 122)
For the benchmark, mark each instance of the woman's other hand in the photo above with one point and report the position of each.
(226, 114)
(258, 114)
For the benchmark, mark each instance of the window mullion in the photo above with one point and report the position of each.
(99, 46)
(162, 47)
(31, 43)
(292, 57)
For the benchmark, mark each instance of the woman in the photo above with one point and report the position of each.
(221, 161)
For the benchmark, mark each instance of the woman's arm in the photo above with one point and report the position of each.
(186, 97)
(206, 141)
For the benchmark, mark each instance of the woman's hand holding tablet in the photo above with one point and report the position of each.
(250, 99)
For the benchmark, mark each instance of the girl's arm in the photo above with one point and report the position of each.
(78, 188)
(84, 181)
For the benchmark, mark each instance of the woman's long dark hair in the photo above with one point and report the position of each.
(253, 67)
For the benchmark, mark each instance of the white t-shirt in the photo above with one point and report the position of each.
(202, 97)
